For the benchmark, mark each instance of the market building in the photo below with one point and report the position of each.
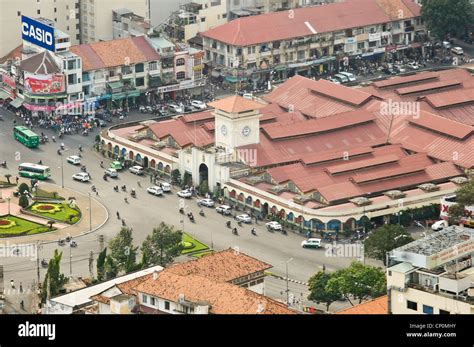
(313, 40)
(319, 155)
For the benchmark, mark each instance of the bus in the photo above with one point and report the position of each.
(34, 171)
(26, 136)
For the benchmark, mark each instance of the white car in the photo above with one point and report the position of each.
(175, 108)
(155, 190)
(198, 105)
(457, 50)
(186, 194)
(273, 226)
(166, 187)
(333, 80)
(82, 176)
(248, 96)
(244, 218)
(311, 243)
(74, 160)
(412, 65)
(224, 209)
(112, 173)
(206, 202)
(439, 225)
(137, 170)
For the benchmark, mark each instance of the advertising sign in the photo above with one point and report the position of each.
(44, 84)
(37, 33)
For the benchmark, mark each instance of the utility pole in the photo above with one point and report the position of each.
(287, 282)
(70, 260)
(38, 263)
(91, 264)
(90, 212)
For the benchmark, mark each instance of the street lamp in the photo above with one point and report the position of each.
(9, 199)
(62, 168)
(287, 282)
(90, 212)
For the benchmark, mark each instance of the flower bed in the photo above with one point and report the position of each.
(6, 224)
(60, 212)
(11, 226)
(191, 245)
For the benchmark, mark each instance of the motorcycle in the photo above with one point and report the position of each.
(191, 217)
(201, 213)
(44, 263)
(181, 210)
(105, 178)
(254, 232)
(4, 164)
(61, 242)
(133, 194)
(83, 168)
(235, 232)
(228, 224)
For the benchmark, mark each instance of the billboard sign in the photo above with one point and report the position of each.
(44, 84)
(37, 33)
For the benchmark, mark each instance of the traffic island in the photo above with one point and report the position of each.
(59, 212)
(12, 226)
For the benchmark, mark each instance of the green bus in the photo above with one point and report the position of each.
(34, 171)
(26, 136)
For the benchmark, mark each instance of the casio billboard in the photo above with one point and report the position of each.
(37, 33)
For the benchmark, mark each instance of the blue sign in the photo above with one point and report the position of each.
(37, 33)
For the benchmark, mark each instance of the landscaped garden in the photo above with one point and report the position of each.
(11, 226)
(191, 245)
(60, 212)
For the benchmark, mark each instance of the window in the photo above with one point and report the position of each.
(38, 11)
(412, 305)
(180, 75)
(180, 62)
(18, 13)
(444, 312)
(140, 82)
(144, 298)
(152, 301)
(153, 66)
(427, 309)
(139, 68)
(167, 305)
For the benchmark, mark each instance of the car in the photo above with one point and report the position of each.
(457, 50)
(224, 209)
(333, 80)
(137, 170)
(82, 176)
(155, 190)
(341, 78)
(175, 108)
(351, 77)
(165, 187)
(206, 202)
(112, 173)
(389, 71)
(439, 225)
(199, 105)
(248, 96)
(413, 65)
(399, 69)
(311, 243)
(188, 109)
(243, 218)
(446, 44)
(102, 123)
(274, 226)
(116, 165)
(186, 194)
(74, 160)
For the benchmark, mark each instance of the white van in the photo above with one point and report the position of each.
(439, 225)
(166, 187)
(350, 76)
(341, 78)
(137, 170)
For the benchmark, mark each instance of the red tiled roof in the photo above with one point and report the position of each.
(395, 81)
(280, 131)
(198, 117)
(389, 173)
(183, 133)
(236, 104)
(303, 22)
(443, 125)
(340, 93)
(316, 158)
(451, 98)
(106, 54)
(428, 87)
(375, 306)
(369, 163)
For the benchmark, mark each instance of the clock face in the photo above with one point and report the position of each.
(246, 131)
(224, 130)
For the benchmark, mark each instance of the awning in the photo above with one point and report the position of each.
(233, 79)
(17, 102)
(4, 95)
(280, 68)
(115, 85)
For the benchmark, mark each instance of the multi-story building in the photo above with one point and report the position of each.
(128, 24)
(96, 17)
(64, 15)
(311, 40)
(433, 275)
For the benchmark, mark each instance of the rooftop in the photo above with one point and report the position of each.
(236, 104)
(42, 63)
(375, 306)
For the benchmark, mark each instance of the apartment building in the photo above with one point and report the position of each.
(433, 275)
(63, 13)
(96, 17)
(127, 24)
(310, 40)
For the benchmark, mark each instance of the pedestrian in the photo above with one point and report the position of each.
(12, 283)
(118, 215)
(96, 192)
(17, 179)
(21, 287)
(22, 305)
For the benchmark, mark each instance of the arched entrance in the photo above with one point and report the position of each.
(203, 173)
(145, 162)
(265, 209)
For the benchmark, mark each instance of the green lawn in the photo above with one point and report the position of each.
(23, 227)
(40, 193)
(197, 246)
(61, 215)
(201, 254)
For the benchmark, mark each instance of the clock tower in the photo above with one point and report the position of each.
(237, 122)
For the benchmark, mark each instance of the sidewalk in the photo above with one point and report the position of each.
(84, 226)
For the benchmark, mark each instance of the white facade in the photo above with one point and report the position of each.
(63, 13)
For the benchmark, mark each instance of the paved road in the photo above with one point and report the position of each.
(144, 213)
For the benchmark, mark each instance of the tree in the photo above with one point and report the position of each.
(464, 198)
(204, 188)
(110, 268)
(384, 239)
(54, 279)
(24, 202)
(444, 17)
(8, 176)
(50, 224)
(319, 291)
(23, 188)
(162, 246)
(101, 264)
(122, 250)
(358, 281)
